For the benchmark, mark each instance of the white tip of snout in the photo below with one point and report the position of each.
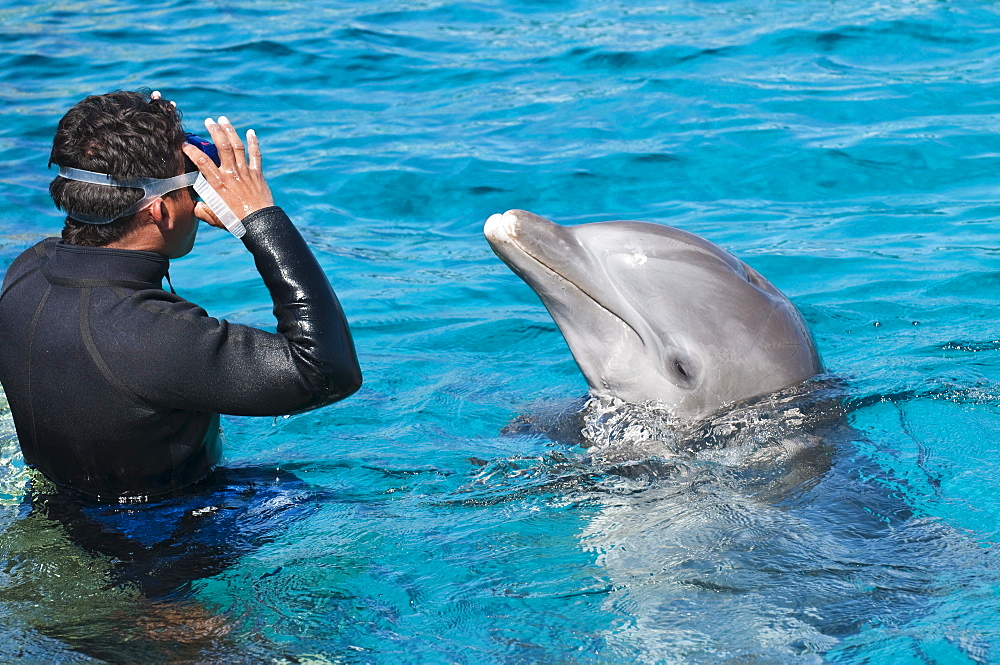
(493, 223)
(500, 226)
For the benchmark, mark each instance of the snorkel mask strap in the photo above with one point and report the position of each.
(154, 188)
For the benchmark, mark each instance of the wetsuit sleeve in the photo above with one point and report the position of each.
(307, 310)
(196, 362)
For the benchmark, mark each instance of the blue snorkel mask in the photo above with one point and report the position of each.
(154, 188)
(205, 146)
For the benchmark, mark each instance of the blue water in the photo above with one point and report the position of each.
(848, 150)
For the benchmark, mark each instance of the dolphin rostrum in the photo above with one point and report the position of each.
(656, 314)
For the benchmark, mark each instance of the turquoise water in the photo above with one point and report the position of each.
(848, 150)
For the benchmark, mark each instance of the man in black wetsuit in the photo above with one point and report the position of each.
(116, 385)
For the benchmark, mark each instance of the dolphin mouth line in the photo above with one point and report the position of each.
(565, 279)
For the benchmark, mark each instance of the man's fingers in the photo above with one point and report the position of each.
(232, 153)
(239, 183)
(207, 215)
(156, 95)
(254, 148)
(200, 159)
(239, 162)
(222, 144)
(231, 134)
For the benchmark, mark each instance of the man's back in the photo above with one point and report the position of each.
(78, 408)
(115, 384)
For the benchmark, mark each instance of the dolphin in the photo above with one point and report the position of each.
(652, 313)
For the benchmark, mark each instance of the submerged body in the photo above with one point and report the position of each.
(654, 313)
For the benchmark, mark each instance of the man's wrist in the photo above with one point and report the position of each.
(263, 217)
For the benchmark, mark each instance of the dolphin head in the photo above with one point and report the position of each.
(654, 313)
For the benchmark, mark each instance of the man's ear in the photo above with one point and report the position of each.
(161, 215)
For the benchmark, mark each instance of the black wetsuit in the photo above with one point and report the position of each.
(115, 385)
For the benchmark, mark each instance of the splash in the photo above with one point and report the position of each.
(13, 472)
(763, 432)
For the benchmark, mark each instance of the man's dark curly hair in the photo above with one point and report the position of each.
(124, 135)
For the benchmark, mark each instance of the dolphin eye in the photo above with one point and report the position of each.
(683, 371)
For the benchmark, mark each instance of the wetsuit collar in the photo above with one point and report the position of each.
(73, 265)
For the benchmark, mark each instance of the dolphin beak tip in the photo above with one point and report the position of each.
(498, 226)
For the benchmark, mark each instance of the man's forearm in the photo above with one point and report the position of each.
(307, 309)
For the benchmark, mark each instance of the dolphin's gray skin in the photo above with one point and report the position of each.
(653, 313)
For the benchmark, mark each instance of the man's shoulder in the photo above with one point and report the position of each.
(28, 260)
(170, 309)
(130, 324)
(37, 252)
(165, 303)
